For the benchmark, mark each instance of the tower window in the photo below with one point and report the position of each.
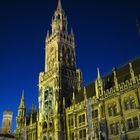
(82, 134)
(129, 103)
(130, 124)
(44, 125)
(58, 17)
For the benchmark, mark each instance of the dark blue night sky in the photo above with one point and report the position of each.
(106, 37)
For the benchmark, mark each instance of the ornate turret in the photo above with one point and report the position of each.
(115, 79)
(99, 84)
(60, 75)
(73, 98)
(21, 118)
(21, 109)
(85, 94)
(33, 108)
(59, 21)
(132, 73)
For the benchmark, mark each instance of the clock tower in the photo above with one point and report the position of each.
(59, 80)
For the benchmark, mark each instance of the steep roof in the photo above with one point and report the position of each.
(123, 74)
(34, 118)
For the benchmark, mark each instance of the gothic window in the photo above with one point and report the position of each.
(129, 103)
(82, 134)
(72, 136)
(114, 128)
(135, 122)
(126, 104)
(117, 128)
(130, 124)
(68, 51)
(71, 123)
(95, 113)
(44, 125)
(58, 17)
(81, 118)
(132, 103)
(112, 109)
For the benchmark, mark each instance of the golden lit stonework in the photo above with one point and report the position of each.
(106, 109)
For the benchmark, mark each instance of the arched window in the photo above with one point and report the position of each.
(126, 104)
(44, 125)
(44, 138)
(114, 109)
(132, 103)
(58, 17)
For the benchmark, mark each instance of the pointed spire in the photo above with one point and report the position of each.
(99, 84)
(98, 73)
(72, 32)
(47, 34)
(73, 97)
(33, 108)
(132, 73)
(115, 79)
(59, 7)
(22, 105)
(85, 93)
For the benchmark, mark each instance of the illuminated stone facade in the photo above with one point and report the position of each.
(59, 79)
(27, 123)
(114, 103)
(106, 109)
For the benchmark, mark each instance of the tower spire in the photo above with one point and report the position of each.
(59, 7)
(22, 105)
(98, 73)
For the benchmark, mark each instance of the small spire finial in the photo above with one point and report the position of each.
(33, 108)
(23, 94)
(48, 34)
(85, 93)
(22, 105)
(59, 7)
(132, 72)
(115, 79)
(98, 72)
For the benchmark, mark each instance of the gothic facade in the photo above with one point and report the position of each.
(106, 109)
(26, 123)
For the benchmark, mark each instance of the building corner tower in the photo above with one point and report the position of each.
(59, 80)
(20, 119)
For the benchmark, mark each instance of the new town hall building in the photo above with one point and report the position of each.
(106, 109)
